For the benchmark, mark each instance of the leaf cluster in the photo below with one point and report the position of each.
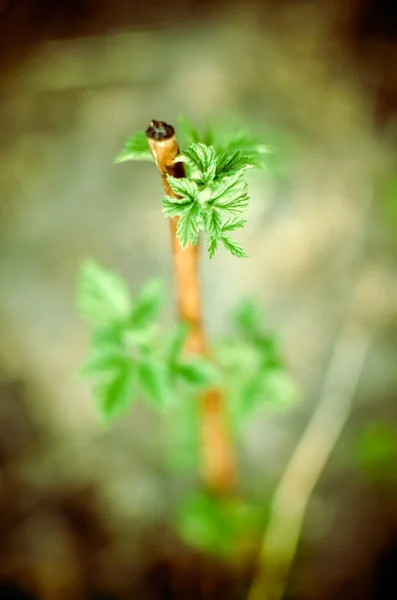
(253, 369)
(214, 194)
(212, 198)
(219, 526)
(130, 354)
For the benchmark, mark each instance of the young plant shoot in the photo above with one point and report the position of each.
(205, 195)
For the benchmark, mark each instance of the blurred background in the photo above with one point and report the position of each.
(84, 512)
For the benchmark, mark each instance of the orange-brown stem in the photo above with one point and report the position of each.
(219, 469)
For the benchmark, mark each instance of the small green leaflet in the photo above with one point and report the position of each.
(202, 160)
(115, 393)
(175, 341)
(153, 382)
(147, 306)
(188, 227)
(234, 247)
(233, 223)
(103, 361)
(229, 164)
(196, 371)
(102, 297)
(231, 195)
(184, 187)
(136, 148)
(246, 143)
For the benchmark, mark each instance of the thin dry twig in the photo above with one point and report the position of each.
(308, 461)
(314, 449)
(219, 469)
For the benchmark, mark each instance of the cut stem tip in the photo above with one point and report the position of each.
(158, 131)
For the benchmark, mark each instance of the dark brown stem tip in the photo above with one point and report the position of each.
(158, 131)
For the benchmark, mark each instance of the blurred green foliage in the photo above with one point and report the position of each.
(224, 527)
(376, 452)
(388, 196)
(130, 354)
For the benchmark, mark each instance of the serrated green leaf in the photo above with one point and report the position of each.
(184, 187)
(115, 395)
(136, 148)
(196, 371)
(147, 305)
(174, 207)
(248, 145)
(229, 163)
(153, 382)
(103, 362)
(231, 195)
(233, 223)
(202, 158)
(234, 247)
(213, 223)
(212, 246)
(102, 297)
(188, 228)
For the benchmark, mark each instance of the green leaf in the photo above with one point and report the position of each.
(234, 247)
(147, 305)
(154, 382)
(229, 163)
(222, 527)
(188, 227)
(231, 195)
(136, 148)
(248, 145)
(280, 390)
(102, 297)
(176, 341)
(233, 223)
(213, 223)
(196, 371)
(212, 246)
(247, 317)
(110, 335)
(104, 361)
(202, 158)
(174, 207)
(115, 395)
(184, 187)
(202, 525)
